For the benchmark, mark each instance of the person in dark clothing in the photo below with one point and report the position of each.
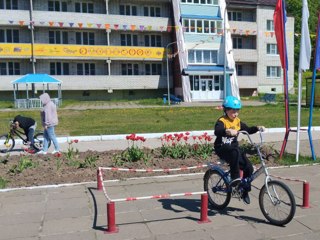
(28, 125)
(226, 144)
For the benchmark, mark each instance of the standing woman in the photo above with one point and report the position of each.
(49, 119)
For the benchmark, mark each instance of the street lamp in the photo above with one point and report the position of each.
(168, 79)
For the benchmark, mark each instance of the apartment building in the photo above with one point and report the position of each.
(116, 49)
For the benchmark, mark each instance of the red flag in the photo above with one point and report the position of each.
(279, 19)
(317, 52)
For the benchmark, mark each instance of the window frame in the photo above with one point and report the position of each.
(195, 54)
(272, 49)
(129, 69)
(270, 25)
(191, 26)
(273, 72)
(201, 2)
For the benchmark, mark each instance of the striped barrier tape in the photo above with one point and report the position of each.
(289, 179)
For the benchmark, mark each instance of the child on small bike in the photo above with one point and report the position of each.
(29, 126)
(226, 144)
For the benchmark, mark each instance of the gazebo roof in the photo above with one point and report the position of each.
(37, 78)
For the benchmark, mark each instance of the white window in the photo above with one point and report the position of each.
(57, 6)
(9, 68)
(272, 49)
(85, 38)
(151, 11)
(86, 69)
(237, 43)
(201, 26)
(235, 16)
(58, 68)
(128, 10)
(202, 56)
(273, 72)
(84, 7)
(207, 2)
(129, 69)
(152, 40)
(9, 4)
(129, 40)
(58, 37)
(153, 69)
(270, 25)
(9, 36)
(239, 70)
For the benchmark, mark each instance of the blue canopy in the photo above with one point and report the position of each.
(36, 78)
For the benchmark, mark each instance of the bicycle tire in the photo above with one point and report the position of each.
(282, 212)
(217, 188)
(38, 141)
(7, 143)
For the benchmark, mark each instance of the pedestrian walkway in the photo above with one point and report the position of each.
(79, 212)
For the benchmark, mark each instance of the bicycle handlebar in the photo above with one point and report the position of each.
(248, 135)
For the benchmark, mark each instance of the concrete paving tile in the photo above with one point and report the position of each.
(26, 207)
(67, 203)
(22, 218)
(127, 232)
(307, 236)
(67, 213)
(66, 225)
(26, 230)
(236, 232)
(82, 235)
(12, 199)
(310, 220)
(199, 235)
(67, 192)
(171, 226)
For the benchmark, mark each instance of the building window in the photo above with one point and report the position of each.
(235, 16)
(270, 25)
(152, 40)
(153, 69)
(9, 36)
(130, 10)
(152, 11)
(85, 38)
(84, 7)
(239, 69)
(86, 69)
(237, 43)
(58, 68)
(57, 6)
(273, 72)
(272, 49)
(207, 2)
(9, 4)
(10, 68)
(202, 56)
(129, 40)
(58, 37)
(201, 26)
(129, 69)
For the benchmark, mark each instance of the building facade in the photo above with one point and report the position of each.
(124, 49)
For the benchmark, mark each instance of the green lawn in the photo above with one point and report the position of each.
(158, 119)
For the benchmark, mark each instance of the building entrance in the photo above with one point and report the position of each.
(206, 87)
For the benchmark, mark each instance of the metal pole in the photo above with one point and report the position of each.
(225, 51)
(168, 76)
(32, 47)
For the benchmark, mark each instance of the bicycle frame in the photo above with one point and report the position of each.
(18, 133)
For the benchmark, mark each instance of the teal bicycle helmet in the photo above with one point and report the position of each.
(232, 102)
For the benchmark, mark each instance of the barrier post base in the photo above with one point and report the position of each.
(112, 228)
(306, 191)
(204, 209)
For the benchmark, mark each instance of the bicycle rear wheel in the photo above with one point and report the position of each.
(217, 188)
(278, 208)
(38, 141)
(6, 143)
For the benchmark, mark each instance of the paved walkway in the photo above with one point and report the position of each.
(79, 211)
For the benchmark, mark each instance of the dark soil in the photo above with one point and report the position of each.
(82, 167)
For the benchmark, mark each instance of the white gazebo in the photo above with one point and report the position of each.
(25, 84)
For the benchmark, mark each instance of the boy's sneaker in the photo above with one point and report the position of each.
(246, 198)
(42, 152)
(55, 152)
(235, 182)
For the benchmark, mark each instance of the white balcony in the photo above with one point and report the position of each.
(245, 55)
(248, 81)
(243, 28)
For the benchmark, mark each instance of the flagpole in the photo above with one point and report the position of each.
(299, 115)
(310, 113)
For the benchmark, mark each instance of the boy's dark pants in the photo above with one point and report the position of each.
(236, 159)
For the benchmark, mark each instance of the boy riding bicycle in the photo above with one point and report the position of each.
(226, 144)
(29, 126)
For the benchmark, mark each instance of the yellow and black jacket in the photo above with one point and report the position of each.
(224, 123)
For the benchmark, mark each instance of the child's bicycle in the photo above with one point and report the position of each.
(276, 200)
(7, 140)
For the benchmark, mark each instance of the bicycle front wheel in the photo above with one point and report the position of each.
(38, 141)
(217, 188)
(277, 203)
(6, 143)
